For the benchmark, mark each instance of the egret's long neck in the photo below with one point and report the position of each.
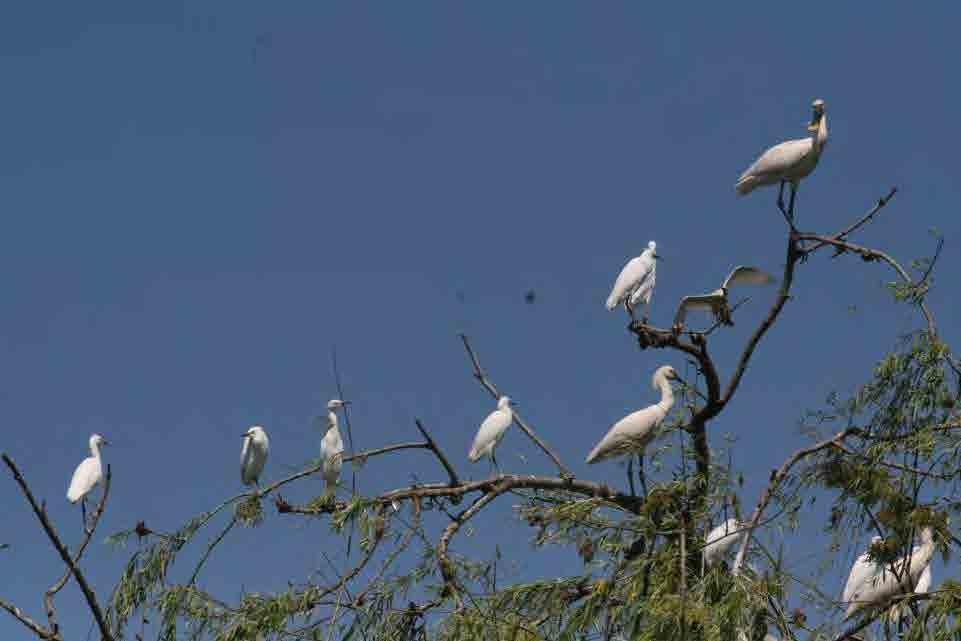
(95, 450)
(331, 420)
(667, 395)
(819, 136)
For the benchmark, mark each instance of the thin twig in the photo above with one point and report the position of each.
(25, 619)
(432, 444)
(88, 534)
(776, 480)
(869, 254)
(41, 514)
(481, 376)
(858, 223)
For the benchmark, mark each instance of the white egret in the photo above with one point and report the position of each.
(924, 581)
(332, 446)
(788, 162)
(716, 302)
(633, 432)
(492, 431)
(863, 570)
(87, 475)
(635, 283)
(906, 574)
(253, 456)
(720, 540)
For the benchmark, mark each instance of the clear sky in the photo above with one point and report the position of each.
(199, 201)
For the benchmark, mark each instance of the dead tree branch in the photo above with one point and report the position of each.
(776, 480)
(41, 515)
(432, 444)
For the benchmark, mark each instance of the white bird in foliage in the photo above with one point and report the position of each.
(253, 456)
(877, 589)
(922, 587)
(492, 431)
(87, 475)
(789, 161)
(720, 540)
(635, 283)
(862, 570)
(332, 446)
(632, 433)
(716, 302)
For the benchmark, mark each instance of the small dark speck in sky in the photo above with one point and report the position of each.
(530, 297)
(460, 296)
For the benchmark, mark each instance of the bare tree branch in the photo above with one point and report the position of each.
(88, 534)
(776, 480)
(437, 452)
(41, 514)
(489, 386)
(858, 223)
(869, 255)
(32, 625)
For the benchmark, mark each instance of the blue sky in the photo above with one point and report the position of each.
(200, 201)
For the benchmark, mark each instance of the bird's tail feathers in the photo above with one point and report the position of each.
(611, 303)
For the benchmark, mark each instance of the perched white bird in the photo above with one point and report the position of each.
(789, 161)
(332, 446)
(632, 433)
(635, 283)
(88, 473)
(877, 589)
(716, 302)
(492, 431)
(720, 540)
(253, 456)
(863, 570)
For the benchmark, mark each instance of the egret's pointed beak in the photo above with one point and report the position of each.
(658, 257)
(244, 435)
(104, 442)
(345, 402)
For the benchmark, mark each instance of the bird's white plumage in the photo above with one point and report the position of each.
(633, 432)
(720, 540)
(717, 302)
(862, 570)
(88, 473)
(332, 446)
(924, 581)
(492, 430)
(886, 584)
(788, 161)
(747, 275)
(253, 455)
(635, 283)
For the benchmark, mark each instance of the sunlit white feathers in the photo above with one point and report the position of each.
(332, 446)
(88, 473)
(253, 455)
(492, 430)
(635, 284)
(720, 540)
(633, 432)
(717, 301)
(788, 161)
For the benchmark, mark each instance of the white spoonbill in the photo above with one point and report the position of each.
(789, 161)
(253, 456)
(716, 302)
(492, 431)
(87, 475)
(635, 283)
(720, 540)
(878, 589)
(632, 433)
(332, 446)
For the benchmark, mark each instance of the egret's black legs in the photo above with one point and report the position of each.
(630, 474)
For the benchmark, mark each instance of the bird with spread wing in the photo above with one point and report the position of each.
(716, 302)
